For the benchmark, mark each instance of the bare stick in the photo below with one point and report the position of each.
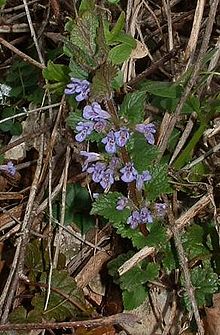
(192, 81)
(30, 111)
(116, 319)
(184, 266)
(21, 54)
(33, 32)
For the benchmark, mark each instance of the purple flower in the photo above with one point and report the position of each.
(122, 203)
(107, 179)
(160, 209)
(79, 87)
(84, 129)
(134, 219)
(90, 157)
(121, 137)
(145, 216)
(109, 141)
(100, 125)
(129, 173)
(114, 163)
(97, 171)
(9, 167)
(148, 130)
(95, 112)
(141, 178)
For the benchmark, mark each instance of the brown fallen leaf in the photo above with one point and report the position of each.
(212, 321)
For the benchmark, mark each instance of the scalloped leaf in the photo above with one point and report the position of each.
(133, 299)
(105, 206)
(143, 154)
(159, 183)
(132, 107)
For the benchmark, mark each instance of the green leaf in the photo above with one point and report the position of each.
(115, 264)
(118, 26)
(18, 315)
(169, 258)
(159, 183)
(120, 53)
(193, 241)
(162, 89)
(73, 119)
(59, 308)
(132, 107)
(157, 236)
(118, 81)
(16, 128)
(56, 72)
(114, 2)
(101, 83)
(86, 5)
(133, 278)
(205, 283)
(105, 206)
(126, 39)
(76, 71)
(83, 32)
(2, 3)
(143, 154)
(133, 299)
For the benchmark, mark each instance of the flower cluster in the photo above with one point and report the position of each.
(9, 168)
(105, 170)
(79, 87)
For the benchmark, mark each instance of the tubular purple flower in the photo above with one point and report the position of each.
(109, 141)
(79, 87)
(148, 130)
(160, 209)
(114, 163)
(145, 216)
(84, 129)
(100, 125)
(95, 112)
(134, 219)
(141, 178)
(107, 179)
(9, 167)
(129, 173)
(97, 171)
(122, 203)
(90, 157)
(122, 136)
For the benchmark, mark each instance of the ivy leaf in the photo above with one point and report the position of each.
(143, 154)
(59, 308)
(157, 236)
(101, 82)
(137, 238)
(133, 299)
(193, 241)
(105, 206)
(120, 53)
(205, 283)
(56, 72)
(86, 5)
(159, 183)
(115, 264)
(133, 278)
(132, 107)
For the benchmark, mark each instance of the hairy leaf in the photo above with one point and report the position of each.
(143, 154)
(56, 72)
(132, 107)
(159, 184)
(133, 299)
(157, 236)
(193, 242)
(101, 82)
(133, 278)
(120, 53)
